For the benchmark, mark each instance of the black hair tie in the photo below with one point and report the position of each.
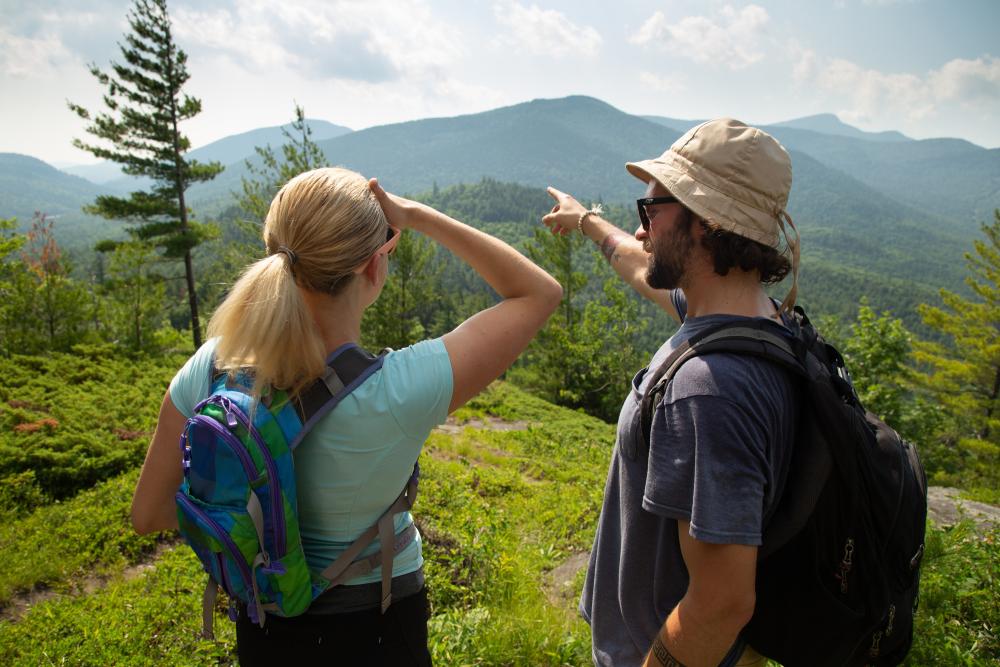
(292, 257)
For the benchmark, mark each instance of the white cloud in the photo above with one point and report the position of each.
(374, 41)
(971, 82)
(731, 38)
(805, 63)
(24, 57)
(663, 83)
(545, 32)
(872, 94)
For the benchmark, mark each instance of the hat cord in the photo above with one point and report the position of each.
(793, 245)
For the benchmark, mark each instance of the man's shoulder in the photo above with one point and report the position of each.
(732, 376)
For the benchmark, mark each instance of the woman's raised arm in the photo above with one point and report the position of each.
(486, 344)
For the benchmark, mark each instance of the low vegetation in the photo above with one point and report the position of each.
(508, 495)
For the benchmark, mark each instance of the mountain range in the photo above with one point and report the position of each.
(873, 208)
(227, 150)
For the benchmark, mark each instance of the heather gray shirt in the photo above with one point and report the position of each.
(719, 449)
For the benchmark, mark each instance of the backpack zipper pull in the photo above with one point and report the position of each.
(845, 564)
(227, 406)
(876, 639)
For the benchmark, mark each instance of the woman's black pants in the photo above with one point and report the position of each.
(357, 639)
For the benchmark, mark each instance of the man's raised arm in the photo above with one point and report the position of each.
(625, 252)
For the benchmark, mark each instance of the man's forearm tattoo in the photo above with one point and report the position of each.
(610, 243)
(662, 655)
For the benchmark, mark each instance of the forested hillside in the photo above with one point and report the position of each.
(881, 216)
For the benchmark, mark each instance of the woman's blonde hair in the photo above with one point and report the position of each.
(321, 226)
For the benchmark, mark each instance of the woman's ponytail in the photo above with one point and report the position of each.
(264, 323)
(321, 226)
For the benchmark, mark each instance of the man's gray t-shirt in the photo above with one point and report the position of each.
(719, 449)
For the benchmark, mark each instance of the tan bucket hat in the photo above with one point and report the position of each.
(731, 175)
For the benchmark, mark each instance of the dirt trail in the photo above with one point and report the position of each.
(18, 605)
(452, 426)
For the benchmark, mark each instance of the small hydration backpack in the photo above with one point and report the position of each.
(237, 504)
(839, 569)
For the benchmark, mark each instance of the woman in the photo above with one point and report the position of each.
(328, 235)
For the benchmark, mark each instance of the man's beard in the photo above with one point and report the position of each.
(668, 259)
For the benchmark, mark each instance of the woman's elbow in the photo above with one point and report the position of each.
(141, 522)
(146, 522)
(552, 295)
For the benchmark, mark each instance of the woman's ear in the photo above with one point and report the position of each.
(370, 270)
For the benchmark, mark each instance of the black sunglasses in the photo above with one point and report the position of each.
(651, 201)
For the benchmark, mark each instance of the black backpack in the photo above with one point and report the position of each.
(839, 569)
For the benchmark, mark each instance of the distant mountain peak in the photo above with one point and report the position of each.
(829, 123)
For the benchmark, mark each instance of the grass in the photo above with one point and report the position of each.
(499, 510)
(60, 544)
(958, 621)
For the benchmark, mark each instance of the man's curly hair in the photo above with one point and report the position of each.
(730, 250)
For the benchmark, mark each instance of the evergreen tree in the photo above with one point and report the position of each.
(46, 308)
(134, 296)
(405, 311)
(300, 154)
(878, 354)
(10, 242)
(267, 174)
(140, 130)
(966, 373)
(587, 353)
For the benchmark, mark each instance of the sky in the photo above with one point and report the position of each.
(926, 68)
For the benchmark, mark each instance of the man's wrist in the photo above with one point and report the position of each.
(661, 654)
(596, 209)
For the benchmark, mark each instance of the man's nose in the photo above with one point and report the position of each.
(641, 234)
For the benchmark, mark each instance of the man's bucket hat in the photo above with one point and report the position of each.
(735, 177)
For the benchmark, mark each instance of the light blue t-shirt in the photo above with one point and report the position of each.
(357, 459)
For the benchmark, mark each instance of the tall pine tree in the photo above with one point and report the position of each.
(140, 130)
(965, 375)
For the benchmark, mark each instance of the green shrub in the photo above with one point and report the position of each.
(20, 494)
(77, 419)
(153, 620)
(958, 620)
(59, 544)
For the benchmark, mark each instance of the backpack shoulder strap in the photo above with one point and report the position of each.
(751, 338)
(346, 368)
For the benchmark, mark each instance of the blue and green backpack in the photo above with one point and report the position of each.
(237, 505)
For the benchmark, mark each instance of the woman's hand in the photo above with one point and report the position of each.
(565, 214)
(399, 210)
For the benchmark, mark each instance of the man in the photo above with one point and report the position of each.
(671, 575)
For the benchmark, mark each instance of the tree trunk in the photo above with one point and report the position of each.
(181, 186)
(985, 433)
(138, 315)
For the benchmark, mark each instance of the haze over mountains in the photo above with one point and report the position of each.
(872, 207)
(227, 150)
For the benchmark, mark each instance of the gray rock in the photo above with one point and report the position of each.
(946, 507)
